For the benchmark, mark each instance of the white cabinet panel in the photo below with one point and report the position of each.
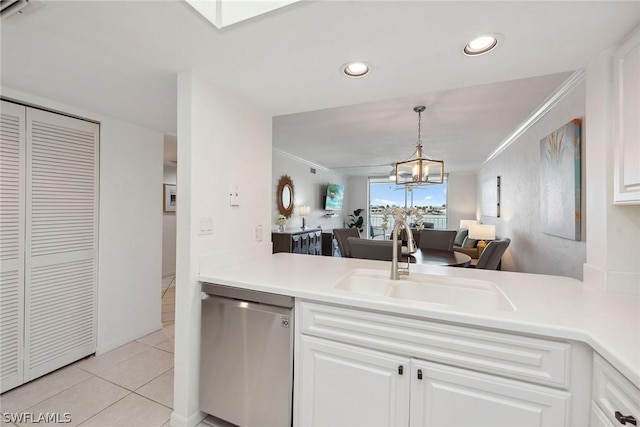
(527, 358)
(613, 393)
(445, 396)
(627, 121)
(598, 418)
(12, 238)
(48, 241)
(62, 176)
(342, 385)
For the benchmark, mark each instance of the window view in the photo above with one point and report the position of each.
(426, 204)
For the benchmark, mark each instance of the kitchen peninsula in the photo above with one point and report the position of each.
(549, 356)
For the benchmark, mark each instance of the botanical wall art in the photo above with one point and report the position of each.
(560, 182)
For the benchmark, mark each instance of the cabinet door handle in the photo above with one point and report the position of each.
(419, 374)
(400, 370)
(624, 419)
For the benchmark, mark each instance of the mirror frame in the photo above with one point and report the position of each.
(284, 182)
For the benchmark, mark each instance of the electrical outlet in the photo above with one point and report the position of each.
(206, 226)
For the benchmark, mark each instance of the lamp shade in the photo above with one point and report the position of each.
(466, 223)
(482, 232)
(304, 210)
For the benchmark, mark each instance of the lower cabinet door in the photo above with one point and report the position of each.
(342, 385)
(598, 418)
(445, 396)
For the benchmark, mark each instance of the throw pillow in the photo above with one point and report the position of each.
(460, 236)
(469, 243)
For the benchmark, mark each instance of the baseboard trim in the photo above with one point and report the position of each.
(193, 420)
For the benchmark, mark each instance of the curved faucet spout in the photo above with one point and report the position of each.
(397, 271)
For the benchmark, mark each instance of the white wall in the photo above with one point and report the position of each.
(309, 189)
(169, 228)
(223, 141)
(130, 220)
(461, 198)
(613, 232)
(532, 251)
(358, 190)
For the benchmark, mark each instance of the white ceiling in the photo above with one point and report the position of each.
(121, 58)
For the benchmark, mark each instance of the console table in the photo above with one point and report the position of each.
(298, 242)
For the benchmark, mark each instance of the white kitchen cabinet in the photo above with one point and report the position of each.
(445, 396)
(615, 400)
(358, 368)
(627, 121)
(342, 385)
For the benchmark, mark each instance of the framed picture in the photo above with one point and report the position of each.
(560, 182)
(169, 198)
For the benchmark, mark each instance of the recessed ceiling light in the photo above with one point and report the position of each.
(356, 69)
(481, 44)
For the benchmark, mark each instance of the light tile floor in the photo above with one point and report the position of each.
(129, 386)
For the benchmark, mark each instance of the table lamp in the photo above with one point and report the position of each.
(304, 211)
(482, 232)
(466, 223)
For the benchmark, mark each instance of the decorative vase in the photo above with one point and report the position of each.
(281, 228)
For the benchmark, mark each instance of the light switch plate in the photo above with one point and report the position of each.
(234, 196)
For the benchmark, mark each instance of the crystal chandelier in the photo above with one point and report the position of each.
(419, 169)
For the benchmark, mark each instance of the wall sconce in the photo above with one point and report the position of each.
(304, 211)
(482, 232)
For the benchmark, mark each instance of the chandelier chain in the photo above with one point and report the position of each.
(419, 122)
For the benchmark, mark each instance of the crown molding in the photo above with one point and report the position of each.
(569, 85)
(301, 160)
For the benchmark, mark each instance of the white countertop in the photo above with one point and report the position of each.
(552, 306)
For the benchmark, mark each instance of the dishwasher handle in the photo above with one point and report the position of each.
(245, 305)
(247, 295)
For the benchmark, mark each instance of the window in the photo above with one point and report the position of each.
(430, 200)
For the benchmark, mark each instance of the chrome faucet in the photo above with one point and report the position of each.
(397, 271)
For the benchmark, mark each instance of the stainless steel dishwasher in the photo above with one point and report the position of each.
(246, 358)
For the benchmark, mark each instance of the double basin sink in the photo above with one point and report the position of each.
(456, 292)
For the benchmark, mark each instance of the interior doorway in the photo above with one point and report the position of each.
(169, 207)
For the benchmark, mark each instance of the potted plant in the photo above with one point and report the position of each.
(356, 220)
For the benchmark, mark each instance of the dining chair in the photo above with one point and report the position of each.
(437, 239)
(341, 235)
(492, 254)
(375, 232)
(381, 250)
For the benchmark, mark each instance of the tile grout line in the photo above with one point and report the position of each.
(56, 394)
(104, 409)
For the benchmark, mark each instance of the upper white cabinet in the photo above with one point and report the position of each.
(627, 121)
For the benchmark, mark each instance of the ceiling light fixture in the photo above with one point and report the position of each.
(356, 69)
(419, 169)
(480, 45)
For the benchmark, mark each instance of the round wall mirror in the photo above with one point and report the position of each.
(284, 196)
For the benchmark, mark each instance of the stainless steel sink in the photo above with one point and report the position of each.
(457, 292)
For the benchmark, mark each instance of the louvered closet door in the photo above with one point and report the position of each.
(61, 256)
(12, 235)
